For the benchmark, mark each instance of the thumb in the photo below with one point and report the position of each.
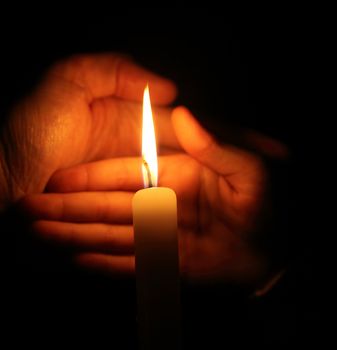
(202, 146)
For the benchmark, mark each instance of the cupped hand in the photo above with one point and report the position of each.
(222, 200)
(86, 108)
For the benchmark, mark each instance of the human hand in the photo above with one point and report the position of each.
(85, 109)
(222, 197)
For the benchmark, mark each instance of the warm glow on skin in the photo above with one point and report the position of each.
(221, 189)
(220, 193)
(149, 147)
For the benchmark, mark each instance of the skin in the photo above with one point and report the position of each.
(86, 108)
(221, 193)
(77, 139)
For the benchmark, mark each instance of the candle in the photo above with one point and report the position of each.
(156, 249)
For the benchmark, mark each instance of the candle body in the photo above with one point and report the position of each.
(157, 268)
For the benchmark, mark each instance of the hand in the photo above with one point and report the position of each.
(86, 108)
(222, 196)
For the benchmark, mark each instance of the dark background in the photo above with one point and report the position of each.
(239, 71)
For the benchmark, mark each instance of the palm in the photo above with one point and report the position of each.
(67, 122)
(58, 138)
(65, 134)
(214, 213)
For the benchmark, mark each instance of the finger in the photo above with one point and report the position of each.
(266, 145)
(106, 263)
(111, 207)
(125, 174)
(116, 174)
(104, 75)
(117, 129)
(196, 141)
(117, 239)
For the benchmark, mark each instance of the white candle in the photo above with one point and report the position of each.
(156, 248)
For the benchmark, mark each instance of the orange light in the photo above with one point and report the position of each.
(149, 147)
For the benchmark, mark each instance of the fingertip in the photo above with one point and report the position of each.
(181, 117)
(162, 91)
(26, 205)
(42, 229)
(103, 263)
(33, 206)
(191, 135)
(267, 145)
(68, 180)
(180, 111)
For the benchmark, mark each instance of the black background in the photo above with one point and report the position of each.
(239, 70)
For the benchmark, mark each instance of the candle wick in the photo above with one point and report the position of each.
(148, 172)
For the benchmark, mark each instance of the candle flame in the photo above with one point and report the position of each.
(149, 147)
